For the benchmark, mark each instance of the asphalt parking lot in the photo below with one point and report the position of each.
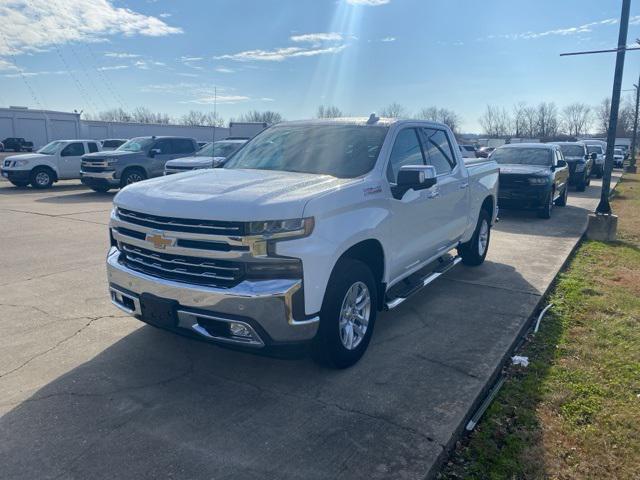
(86, 392)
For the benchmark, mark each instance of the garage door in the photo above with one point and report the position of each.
(6, 127)
(33, 130)
(63, 130)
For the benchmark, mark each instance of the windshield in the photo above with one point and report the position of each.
(112, 143)
(522, 156)
(136, 144)
(343, 151)
(594, 149)
(50, 148)
(572, 150)
(617, 151)
(219, 149)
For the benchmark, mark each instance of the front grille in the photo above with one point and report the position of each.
(179, 268)
(509, 180)
(86, 168)
(171, 224)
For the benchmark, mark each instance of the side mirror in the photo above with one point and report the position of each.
(561, 163)
(594, 156)
(414, 177)
(154, 151)
(219, 162)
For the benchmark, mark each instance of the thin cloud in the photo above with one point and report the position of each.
(280, 54)
(219, 99)
(318, 37)
(190, 59)
(35, 25)
(114, 67)
(224, 70)
(585, 28)
(35, 74)
(369, 3)
(6, 66)
(121, 55)
(388, 39)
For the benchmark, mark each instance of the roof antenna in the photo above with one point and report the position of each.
(373, 118)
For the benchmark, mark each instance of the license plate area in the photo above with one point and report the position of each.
(158, 311)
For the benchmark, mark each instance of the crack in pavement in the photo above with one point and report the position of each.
(479, 284)
(54, 216)
(44, 275)
(50, 349)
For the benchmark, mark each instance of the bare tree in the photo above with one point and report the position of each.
(268, 116)
(548, 124)
(443, 115)
(112, 115)
(144, 115)
(394, 110)
(495, 121)
(576, 119)
(329, 112)
(519, 121)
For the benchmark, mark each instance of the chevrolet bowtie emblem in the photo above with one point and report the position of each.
(160, 241)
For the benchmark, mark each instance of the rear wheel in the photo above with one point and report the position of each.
(42, 177)
(582, 186)
(348, 315)
(475, 250)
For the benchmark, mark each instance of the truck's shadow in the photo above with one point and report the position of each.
(84, 197)
(154, 404)
(7, 188)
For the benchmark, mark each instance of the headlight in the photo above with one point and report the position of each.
(580, 167)
(274, 229)
(20, 163)
(538, 181)
(111, 161)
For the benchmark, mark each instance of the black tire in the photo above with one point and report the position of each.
(328, 347)
(545, 211)
(473, 252)
(562, 201)
(132, 175)
(42, 177)
(582, 186)
(20, 184)
(100, 189)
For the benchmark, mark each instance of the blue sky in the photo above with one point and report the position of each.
(293, 55)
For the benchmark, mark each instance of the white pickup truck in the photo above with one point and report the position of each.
(58, 160)
(303, 236)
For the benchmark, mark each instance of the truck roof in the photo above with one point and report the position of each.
(529, 145)
(363, 121)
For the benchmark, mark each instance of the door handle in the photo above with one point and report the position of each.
(464, 185)
(434, 193)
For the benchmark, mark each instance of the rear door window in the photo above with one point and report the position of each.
(92, 147)
(164, 145)
(437, 149)
(183, 145)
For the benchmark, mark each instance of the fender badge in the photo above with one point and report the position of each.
(373, 190)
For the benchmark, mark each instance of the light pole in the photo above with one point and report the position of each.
(602, 224)
(631, 168)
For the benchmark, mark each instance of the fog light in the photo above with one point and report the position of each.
(239, 330)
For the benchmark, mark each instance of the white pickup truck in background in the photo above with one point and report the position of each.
(305, 234)
(58, 160)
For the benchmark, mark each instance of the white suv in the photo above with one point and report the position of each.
(58, 160)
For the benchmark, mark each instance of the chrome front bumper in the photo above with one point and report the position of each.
(265, 307)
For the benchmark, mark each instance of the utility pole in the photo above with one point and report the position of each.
(602, 224)
(631, 168)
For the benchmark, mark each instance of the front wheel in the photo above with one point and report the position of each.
(100, 189)
(545, 211)
(348, 315)
(41, 177)
(475, 250)
(133, 175)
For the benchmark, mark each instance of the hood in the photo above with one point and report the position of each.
(518, 169)
(110, 154)
(194, 162)
(228, 194)
(28, 156)
(574, 159)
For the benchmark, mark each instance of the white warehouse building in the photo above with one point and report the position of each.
(44, 126)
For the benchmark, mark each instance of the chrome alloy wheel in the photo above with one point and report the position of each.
(42, 179)
(133, 178)
(354, 315)
(483, 237)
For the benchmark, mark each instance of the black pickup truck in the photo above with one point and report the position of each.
(17, 144)
(532, 176)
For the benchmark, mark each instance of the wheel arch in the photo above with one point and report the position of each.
(371, 253)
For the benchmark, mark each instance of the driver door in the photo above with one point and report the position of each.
(412, 233)
(70, 158)
(162, 156)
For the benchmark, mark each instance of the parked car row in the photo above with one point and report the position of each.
(16, 144)
(111, 163)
